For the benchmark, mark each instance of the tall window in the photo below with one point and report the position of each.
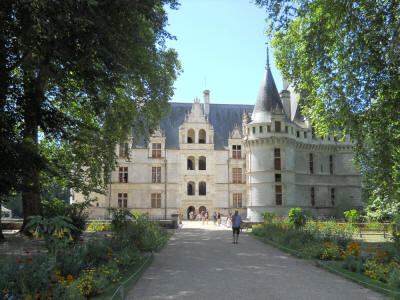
(311, 163)
(277, 126)
(297, 133)
(190, 188)
(156, 200)
(331, 164)
(278, 177)
(122, 200)
(254, 130)
(202, 188)
(260, 129)
(202, 163)
(333, 196)
(278, 195)
(123, 174)
(268, 128)
(277, 158)
(190, 163)
(122, 149)
(155, 150)
(237, 200)
(312, 196)
(236, 175)
(156, 174)
(286, 129)
(313, 132)
(202, 136)
(236, 151)
(305, 134)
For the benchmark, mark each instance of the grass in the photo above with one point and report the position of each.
(376, 285)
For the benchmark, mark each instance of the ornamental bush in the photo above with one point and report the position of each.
(298, 217)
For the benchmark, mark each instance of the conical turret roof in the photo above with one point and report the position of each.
(268, 99)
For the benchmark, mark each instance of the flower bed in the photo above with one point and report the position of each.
(79, 269)
(331, 241)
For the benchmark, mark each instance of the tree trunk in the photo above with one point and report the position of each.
(1, 226)
(31, 199)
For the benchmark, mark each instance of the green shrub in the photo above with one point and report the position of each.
(76, 212)
(297, 217)
(268, 216)
(352, 216)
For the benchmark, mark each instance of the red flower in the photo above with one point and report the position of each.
(105, 235)
(20, 261)
(69, 254)
(38, 251)
(27, 252)
(29, 258)
(50, 287)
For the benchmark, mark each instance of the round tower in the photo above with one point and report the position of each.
(268, 151)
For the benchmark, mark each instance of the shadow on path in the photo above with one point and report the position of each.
(202, 263)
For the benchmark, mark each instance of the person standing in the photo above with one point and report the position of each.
(206, 217)
(236, 220)
(215, 217)
(203, 216)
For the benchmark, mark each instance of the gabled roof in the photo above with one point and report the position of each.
(223, 118)
(268, 99)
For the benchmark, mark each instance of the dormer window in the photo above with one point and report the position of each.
(202, 136)
(277, 126)
(156, 150)
(123, 148)
(190, 136)
(236, 151)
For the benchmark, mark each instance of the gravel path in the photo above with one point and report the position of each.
(200, 262)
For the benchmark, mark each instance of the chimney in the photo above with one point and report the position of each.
(206, 95)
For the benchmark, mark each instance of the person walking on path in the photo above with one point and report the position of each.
(215, 217)
(203, 216)
(236, 220)
(206, 217)
(219, 218)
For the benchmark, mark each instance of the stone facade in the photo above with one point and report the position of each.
(221, 158)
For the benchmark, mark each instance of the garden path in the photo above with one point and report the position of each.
(200, 262)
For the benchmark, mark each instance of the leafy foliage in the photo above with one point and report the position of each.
(81, 75)
(343, 57)
(268, 216)
(298, 217)
(352, 216)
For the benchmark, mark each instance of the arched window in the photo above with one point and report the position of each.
(202, 188)
(190, 137)
(190, 163)
(202, 136)
(202, 163)
(190, 188)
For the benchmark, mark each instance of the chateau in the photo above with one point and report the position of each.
(222, 158)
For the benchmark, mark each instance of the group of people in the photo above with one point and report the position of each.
(233, 221)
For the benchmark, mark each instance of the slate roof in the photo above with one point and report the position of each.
(223, 117)
(267, 100)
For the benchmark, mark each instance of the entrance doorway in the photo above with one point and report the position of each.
(189, 210)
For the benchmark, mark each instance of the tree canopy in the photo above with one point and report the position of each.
(344, 58)
(76, 78)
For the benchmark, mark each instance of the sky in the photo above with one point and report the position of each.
(222, 47)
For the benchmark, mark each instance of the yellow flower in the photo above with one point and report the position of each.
(36, 296)
(6, 291)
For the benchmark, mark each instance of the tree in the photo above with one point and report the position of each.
(344, 58)
(78, 76)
